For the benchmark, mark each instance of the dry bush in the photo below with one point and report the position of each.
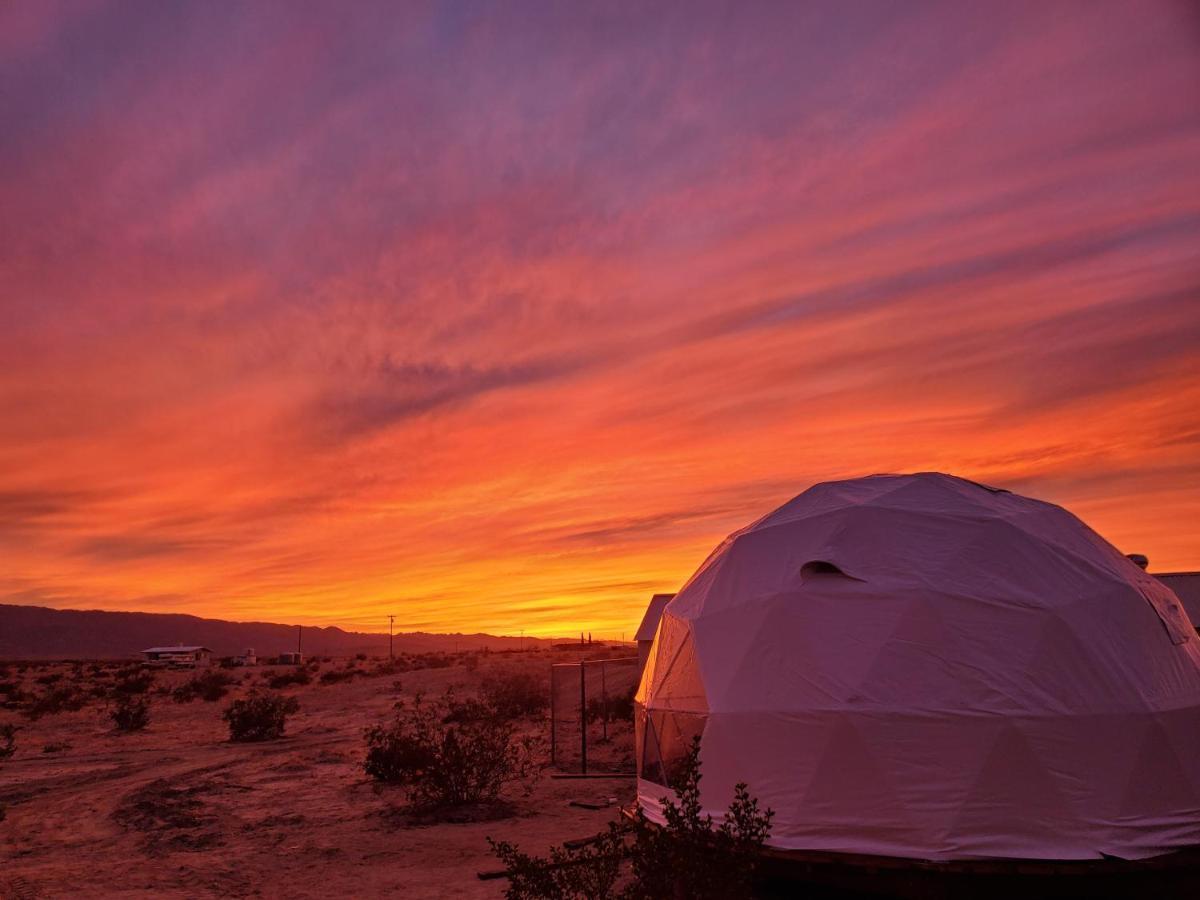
(515, 695)
(686, 857)
(297, 676)
(259, 717)
(335, 676)
(208, 686)
(58, 699)
(589, 872)
(8, 746)
(133, 680)
(8, 740)
(447, 758)
(386, 667)
(614, 708)
(131, 713)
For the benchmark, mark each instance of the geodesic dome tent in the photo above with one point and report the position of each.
(924, 667)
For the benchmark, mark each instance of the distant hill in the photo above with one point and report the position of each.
(36, 632)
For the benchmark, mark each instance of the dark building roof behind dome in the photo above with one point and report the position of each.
(1186, 586)
(654, 612)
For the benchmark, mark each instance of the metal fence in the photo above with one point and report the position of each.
(591, 702)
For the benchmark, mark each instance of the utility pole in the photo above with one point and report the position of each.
(391, 622)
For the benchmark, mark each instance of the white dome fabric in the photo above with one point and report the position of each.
(924, 667)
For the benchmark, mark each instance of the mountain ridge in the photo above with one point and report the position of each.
(42, 632)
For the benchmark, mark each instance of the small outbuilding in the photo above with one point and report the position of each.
(645, 632)
(179, 657)
(1186, 586)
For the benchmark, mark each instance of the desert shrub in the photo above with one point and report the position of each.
(589, 872)
(8, 746)
(334, 676)
(691, 858)
(616, 707)
(8, 688)
(514, 695)
(133, 680)
(58, 699)
(8, 740)
(686, 857)
(56, 747)
(259, 717)
(387, 667)
(361, 657)
(49, 678)
(444, 758)
(299, 675)
(131, 713)
(209, 686)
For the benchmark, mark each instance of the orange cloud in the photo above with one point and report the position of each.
(503, 324)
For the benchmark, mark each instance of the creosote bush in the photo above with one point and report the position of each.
(334, 676)
(134, 680)
(686, 857)
(8, 746)
(131, 713)
(446, 757)
(57, 699)
(259, 717)
(208, 686)
(299, 676)
(515, 695)
(8, 740)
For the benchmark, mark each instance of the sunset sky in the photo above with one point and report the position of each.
(499, 316)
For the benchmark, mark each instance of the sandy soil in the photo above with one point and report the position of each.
(179, 811)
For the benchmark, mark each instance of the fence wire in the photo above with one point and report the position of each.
(591, 703)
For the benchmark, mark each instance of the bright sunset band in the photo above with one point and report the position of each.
(499, 341)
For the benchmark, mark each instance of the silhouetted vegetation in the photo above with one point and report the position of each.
(513, 695)
(259, 717)
(446, 757)
(8, 740)
(208, 686)
(8, 746)
(131, 713)
(58, 699)
(134, 680)
(617, 707)
(336, 676)
(688, 856)
(589, 872)
(297, 676)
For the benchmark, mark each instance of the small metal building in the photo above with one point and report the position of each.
(1186, 586)
(645, 632)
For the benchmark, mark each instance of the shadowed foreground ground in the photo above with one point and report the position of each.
(179, 811)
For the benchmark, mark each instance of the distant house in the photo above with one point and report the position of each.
(1186, 586)
(178, 657)
(645, 632)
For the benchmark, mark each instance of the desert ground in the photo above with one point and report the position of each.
(178, 810)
